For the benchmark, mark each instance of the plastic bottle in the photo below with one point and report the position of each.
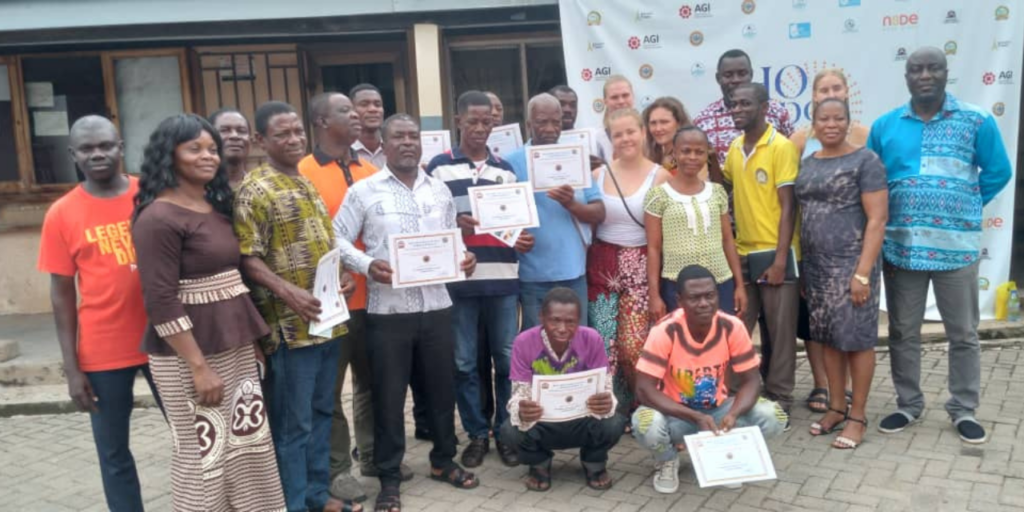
(1013, 307)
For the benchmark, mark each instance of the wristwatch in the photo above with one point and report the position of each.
(862, 280)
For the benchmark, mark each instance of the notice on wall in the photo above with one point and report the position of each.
(50, 123)
(39, 94)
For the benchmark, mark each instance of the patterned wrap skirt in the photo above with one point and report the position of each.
(223, 457)
(617, 309)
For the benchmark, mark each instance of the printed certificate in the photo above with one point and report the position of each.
(426, 258)
(558, 164)
(327, 289)
(505, 139)
(503, 207)
(564, 397)
(579, 136)
(732, 458)
(434, 143)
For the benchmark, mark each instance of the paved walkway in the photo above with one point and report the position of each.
(48, 463)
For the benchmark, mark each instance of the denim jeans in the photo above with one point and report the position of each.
(531, 295)
(660, 434)
(500, 315)
(301, 385)
(110, 431)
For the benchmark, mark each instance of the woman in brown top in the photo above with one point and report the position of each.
(203, 327)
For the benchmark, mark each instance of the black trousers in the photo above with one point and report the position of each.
(592, 436)
(400, 346)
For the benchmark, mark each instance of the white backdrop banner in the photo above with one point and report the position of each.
(671, 48)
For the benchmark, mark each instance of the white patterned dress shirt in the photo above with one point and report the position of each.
(379, 206)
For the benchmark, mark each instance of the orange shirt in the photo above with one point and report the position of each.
(330, 181)
(90, 238)
(695, 374)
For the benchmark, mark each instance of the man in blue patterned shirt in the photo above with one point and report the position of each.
(945, 160)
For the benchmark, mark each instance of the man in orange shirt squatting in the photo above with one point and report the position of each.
(681, 382)
(86, 237)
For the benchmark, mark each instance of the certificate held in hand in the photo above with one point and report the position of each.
(734, 457)
(558, 164)
(327, 289)
(503, 207)
(422, 259)
(564, 397)
(505, 139)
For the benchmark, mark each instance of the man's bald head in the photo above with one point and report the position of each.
(926, 75)
(96, 148)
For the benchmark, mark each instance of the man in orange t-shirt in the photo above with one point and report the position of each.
(86, 237)
(682, 382)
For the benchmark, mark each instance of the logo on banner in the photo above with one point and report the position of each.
(901, 54)
(696, 38)
(999, 45)
(643, 16)
(699, 10)
(799, 30)
(697, 70)
(849, 3)
(983, 283)
(998, 109)
(992, 223)
(646, 71)
(951, 17)
(592, 45)
(1005, 78)
(950, 48)
(598, 105)
(586, 75)
(649, 42)
(1002, 13)
(748, 6)
(749, 31)
(850, 26)
(634, 43)
(799, 4)
(646, 101)
(902, 20)
(593, 18)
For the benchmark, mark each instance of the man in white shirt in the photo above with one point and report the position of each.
(408, 329)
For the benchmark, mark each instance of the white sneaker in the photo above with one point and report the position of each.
(666, 476)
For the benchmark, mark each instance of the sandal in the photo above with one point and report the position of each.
(817, 400)
(346, 506)
(845, 443)
(817, 429)
(539, 478)
(455, 476)
(389, 500)
(598, 480)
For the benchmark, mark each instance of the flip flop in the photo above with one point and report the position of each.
(817, 429)
(845, 443)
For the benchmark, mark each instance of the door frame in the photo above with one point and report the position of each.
(392, 53)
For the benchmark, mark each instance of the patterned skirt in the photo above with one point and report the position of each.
(617, 309)
(223, 457)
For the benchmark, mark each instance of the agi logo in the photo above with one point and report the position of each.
(701, 10)
(649, 42)
(799, 30)
(1003, 78)
(598, 73)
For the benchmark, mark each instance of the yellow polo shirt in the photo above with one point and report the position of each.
(756, 179)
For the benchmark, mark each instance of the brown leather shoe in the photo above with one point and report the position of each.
(473, 455)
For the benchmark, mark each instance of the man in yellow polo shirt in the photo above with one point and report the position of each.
(761, 166)
(333, 168)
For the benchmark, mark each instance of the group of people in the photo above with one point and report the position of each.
(199, 274)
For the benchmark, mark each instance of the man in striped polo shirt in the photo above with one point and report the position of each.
(491, 294)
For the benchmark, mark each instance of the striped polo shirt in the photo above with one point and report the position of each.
(497, 266)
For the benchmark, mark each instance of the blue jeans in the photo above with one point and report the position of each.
(660, 434)
(301, 384)
(726, 296)
(531, 295)
(110, 431)
(500, 315)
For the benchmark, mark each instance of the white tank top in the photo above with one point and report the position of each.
(618, 227)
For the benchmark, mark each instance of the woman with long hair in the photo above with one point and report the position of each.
(203, 327)
(663, 118)
(617, 261)
(688, 223)
(844, 204)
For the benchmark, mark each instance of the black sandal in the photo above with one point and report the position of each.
(845, 443)
(817, 429)
(541, 476)
(595, 479)
(818, 397)
(389, 500)
(455, 476)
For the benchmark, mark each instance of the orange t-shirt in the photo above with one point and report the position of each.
(694, 374)
(329, 179)
(90, 238)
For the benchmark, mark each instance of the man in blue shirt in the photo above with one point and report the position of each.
(945, 160)
(559, 255)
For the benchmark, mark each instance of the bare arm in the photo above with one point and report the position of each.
(733, 257)
(652, 225)
(876, 206)
(65, 316)
(589, 213)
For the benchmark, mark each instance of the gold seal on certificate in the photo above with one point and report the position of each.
(426, 258)
(579, 136)
(505, 139)
(564, 397)
(503, 207)
(434, 143)
(734, 457)
(559, 164)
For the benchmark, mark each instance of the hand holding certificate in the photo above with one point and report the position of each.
(559, 164)
(734, 457)
(505, 139)
(564, 397)
(434, 143)
(426, 258)
(503, 207)
(327, 289)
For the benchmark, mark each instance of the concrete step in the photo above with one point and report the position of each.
(54, 399)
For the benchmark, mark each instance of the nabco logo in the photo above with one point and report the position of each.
(901, 20)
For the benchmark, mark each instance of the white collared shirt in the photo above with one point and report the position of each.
(376, 158)
(379, 206)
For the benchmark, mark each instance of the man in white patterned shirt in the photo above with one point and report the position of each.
(560, 346)
(408, 329)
